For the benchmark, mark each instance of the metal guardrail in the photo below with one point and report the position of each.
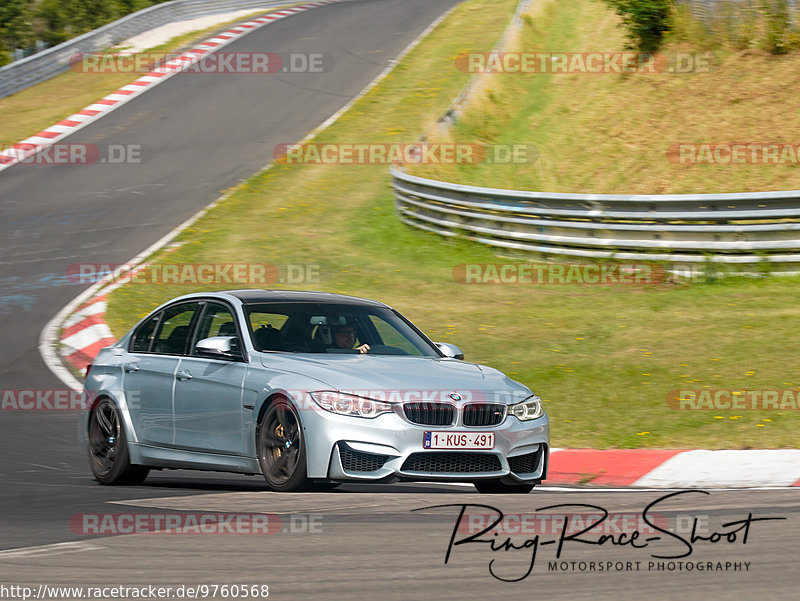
(709, 10)
(41, 66)
(687, 231)
(690, 232)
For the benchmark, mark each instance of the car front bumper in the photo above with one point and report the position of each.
(389, 447)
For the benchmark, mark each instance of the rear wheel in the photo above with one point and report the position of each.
(281, 448)
(108, 447)
(497, 487)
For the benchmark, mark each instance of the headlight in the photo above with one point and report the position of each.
(348, 404)
(529, 409)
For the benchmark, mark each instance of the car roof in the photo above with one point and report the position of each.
(252, 297)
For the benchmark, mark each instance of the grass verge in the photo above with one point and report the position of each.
(610, 133)
(604, 358)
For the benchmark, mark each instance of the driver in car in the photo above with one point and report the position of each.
(344, 337)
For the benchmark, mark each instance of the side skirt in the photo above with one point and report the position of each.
(142, 454)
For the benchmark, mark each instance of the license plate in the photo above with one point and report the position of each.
(458, 440)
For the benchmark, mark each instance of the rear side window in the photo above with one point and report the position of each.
(144, 335)
(172, 336)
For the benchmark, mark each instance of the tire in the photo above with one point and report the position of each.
(497, 487)
(108, 448)
(281, 448)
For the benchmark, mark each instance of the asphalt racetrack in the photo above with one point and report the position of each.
(203, 134)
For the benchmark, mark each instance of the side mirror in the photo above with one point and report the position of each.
(221, 347)
(450, 350)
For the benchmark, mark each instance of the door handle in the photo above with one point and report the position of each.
(129, 367)
(183, 375)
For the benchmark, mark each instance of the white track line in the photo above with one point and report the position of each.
(54, 549)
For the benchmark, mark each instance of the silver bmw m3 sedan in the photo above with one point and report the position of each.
(309, 389)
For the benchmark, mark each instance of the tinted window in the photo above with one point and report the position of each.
(390, 336)
(144, 335)
(266, 327)
(173, 334)
(216, 320)
(333, 328)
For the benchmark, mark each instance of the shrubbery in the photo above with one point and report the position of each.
(23, 22)
(770, 25)
(646, 21)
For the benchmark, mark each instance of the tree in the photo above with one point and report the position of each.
(22, 22)
(15, 27)
(645, 20)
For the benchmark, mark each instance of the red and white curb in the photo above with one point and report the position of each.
(654, 468)
(30, 146)
(85, 333)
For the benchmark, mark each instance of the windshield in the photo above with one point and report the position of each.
(334, 328)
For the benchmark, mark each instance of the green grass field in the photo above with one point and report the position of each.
(604, 358)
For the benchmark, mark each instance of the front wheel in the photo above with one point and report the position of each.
(108, 447)
(497, 487)
(281, 448)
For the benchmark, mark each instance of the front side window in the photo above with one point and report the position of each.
(172, 336)
(217, 320)
(390, 335)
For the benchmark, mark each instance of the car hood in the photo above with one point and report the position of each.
(406, 378)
